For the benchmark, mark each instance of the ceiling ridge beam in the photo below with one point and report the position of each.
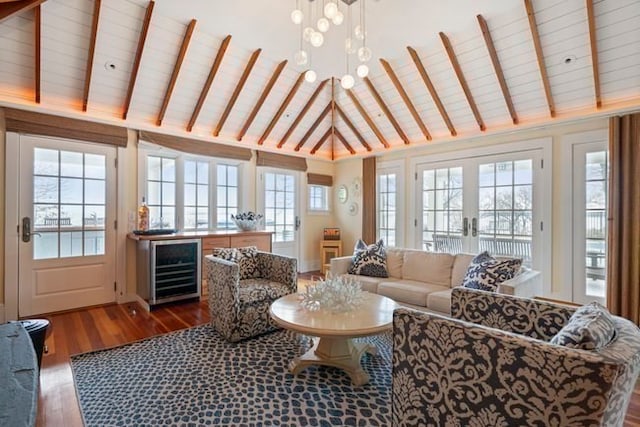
(461, 79)
(236, 91)
(322, 140)
(488, 40)
(344, 142)
(136, 61)
(92, 50)
(405, 97)
(176, 70)
(37, 21)
(386, 110)
(432, 90)
(8, 9)
(263, 97)
(207, 85)
(313, 127)
(283, 106)
(367, 118)
(302, 113)
(351, 126)
(540, 56)
(593, 41)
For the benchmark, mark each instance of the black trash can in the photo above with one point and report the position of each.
(37, 329)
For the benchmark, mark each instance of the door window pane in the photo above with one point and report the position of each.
(279, 206)
(595, 211)
(387, 208)
(442, 209)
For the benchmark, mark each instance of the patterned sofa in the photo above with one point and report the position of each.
(240, 307)
(492, 364)
(424, 280)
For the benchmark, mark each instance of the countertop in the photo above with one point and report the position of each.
(197, 234)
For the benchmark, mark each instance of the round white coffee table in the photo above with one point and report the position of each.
(334, 344)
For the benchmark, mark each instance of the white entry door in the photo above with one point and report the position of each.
(67, 213)
(278, 199)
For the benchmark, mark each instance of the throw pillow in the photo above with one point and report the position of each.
(245, 257)
(369, 260)
(486, 273)
(591, 327)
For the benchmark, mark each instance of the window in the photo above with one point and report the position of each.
(280, 205)
(161, 192)
(227, 200)
(387, 208)
(318, 198)
(196, 194)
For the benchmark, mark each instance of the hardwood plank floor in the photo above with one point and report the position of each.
(112, 325)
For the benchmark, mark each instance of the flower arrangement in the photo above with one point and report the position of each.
(336, 294)
(247, 221)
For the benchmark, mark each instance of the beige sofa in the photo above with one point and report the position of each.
(424, 280)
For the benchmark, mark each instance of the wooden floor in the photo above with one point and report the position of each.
(103, 327)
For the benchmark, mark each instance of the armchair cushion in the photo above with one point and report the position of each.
(486, 273)
(591, 327)
(245, 257)
(369, 260)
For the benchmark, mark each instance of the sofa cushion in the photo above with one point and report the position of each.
(460, 267)
(591, 327)
(409, 291)
(486, 273)
(369, 260)
(369, 284)
(395, 259)
(440, 301)
(427, 267)
(245, 257)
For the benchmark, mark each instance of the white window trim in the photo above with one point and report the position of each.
(397, 167)
(320, 212)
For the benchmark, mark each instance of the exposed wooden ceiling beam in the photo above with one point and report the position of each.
(540, 56)
(367, 118)
(386, 110)
(13, 7)
(355, 131)
(302, 113)
(594, 52)
(283, 106)
(405, 97)
(176, 70)
(344, 142)
(313, 127)
(37, 20)
(136, 62)
(263, 97)
(497, 67)
(92, 49)
(207, 85)
(236, 91)
(432, 90)
(461, 79)
(322, 140)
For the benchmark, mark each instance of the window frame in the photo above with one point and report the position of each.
(327, 200)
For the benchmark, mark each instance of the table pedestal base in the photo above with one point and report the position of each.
(341, 353)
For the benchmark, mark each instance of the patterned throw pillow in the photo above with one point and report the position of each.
(369, 260)
(486, 273)
(245, 257)
(591, 327)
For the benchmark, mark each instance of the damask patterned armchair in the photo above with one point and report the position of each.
(492, 365)
(240, 307)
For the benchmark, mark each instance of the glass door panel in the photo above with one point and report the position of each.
(442, 202)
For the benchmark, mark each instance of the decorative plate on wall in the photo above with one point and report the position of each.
(343, 194)
(356, 187)
(353, 208)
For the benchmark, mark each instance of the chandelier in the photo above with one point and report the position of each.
(318, 18)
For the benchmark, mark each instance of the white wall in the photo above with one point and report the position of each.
(350, 225)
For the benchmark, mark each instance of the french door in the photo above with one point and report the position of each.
(279, 202)
(66, 217)
(487, 203)
(590, 186)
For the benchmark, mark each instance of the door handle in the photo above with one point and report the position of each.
(465, 226)
(26, 230)
(474, 227)
(297, 222)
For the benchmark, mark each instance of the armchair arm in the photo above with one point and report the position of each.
(526, 284)
(279, 268)
(446, 370)
(525, 316)
(340, 265)
(223, 277)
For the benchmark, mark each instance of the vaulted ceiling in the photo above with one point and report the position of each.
(223, 71)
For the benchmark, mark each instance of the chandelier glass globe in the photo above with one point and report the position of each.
(301, 57)
(306, 33)
(323, 25)
(362, 71)
(347, 81)
(338, 18)
(297, 16)
(359, 32)
(364, 54)
(310, 76)
(316, 39)
(349, 46)
(330, 10)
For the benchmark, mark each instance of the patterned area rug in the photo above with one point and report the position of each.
(193, 377)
